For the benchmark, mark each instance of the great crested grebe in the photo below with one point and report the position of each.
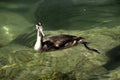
(58, 41)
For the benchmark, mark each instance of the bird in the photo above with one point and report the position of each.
(57, 42)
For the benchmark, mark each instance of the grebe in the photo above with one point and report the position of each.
(58, 41)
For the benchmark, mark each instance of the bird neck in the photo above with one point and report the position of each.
(38, 44)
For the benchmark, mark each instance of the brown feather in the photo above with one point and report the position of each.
(64, 41)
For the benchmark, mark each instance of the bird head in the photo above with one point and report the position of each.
(40, 28)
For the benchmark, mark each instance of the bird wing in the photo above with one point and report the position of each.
(60, 39)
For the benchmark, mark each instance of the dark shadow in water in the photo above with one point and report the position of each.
(68, 14)
(114, 58)
(55, 13)
(117, 1)
(26, 39)
(19, 1)
(65, 14)
(1, 46)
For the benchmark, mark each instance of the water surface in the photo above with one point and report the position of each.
(96, 20)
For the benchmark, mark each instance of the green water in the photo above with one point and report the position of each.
(96, 20)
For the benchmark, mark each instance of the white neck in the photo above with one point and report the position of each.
(38, 44)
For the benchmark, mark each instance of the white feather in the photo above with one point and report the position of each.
(37, 45)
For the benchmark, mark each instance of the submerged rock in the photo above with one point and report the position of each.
(5, 35)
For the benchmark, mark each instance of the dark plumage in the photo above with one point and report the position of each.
(61, 41)
(64, 41)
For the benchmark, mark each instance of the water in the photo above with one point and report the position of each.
(96, 20)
